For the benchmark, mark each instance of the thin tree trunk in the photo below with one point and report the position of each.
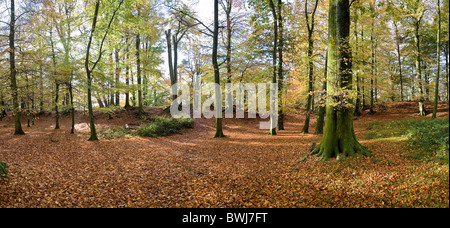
(169, 51)
(228, 44)
(273, 130)
(447, 71)
(118, 70)
(139, 79)
(358, 81)
(93, 136)
(310, 28)
(372, 89)
(218, 94)
(72, 108)
(127, 74)
(12, 67)
(41, 88)
(422, 110)
(56, 83)
(438, 62)
(399, 59)
(280, 66)
(321, 114)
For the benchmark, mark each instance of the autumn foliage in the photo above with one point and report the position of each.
(248, 168)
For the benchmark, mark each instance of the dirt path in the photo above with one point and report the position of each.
(248, 168)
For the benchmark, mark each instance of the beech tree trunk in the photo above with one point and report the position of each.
(280, 66)
(273, 130)
(12, 67)
(138, 76)
(218, 94)
(339, 136)
(117, 79)
(127, 75)
(438, 62)
(310, 27)
(321, 114)
(422, 110)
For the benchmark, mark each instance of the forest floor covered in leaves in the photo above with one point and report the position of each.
(248, 168)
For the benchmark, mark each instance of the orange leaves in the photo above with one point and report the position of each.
(247, 169)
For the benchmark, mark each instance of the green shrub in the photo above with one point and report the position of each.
(3, 170)
(156, 127)
(112, 133)
(163, 126)
(427, 137)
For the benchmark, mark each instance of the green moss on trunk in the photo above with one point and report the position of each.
(339, 136)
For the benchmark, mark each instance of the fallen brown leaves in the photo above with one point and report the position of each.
(247, 169)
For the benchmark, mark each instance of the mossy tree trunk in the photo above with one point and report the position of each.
(339, 136)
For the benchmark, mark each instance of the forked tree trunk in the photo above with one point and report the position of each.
(339, 136)
(310, 27)
(422, 111)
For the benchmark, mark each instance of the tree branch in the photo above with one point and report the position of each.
(106, 33)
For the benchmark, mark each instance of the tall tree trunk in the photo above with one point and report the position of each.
(228, 42)
(12, 67)
(280, 66)
(372, 88)
(447, 71)
(438, 62)
(56, 83)
(339, 136)
(427, 80)
(218, 94)
(139, 79)
(111, 84)
(127, 74)
(358, 80)
(273, 130)
(117, 79)
(93, 136)
(399, 59)
(422, 110)
(41, 88)
(310, 28)
(90, 69)
(170, 59)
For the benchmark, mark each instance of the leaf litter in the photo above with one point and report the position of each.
(247, 169)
